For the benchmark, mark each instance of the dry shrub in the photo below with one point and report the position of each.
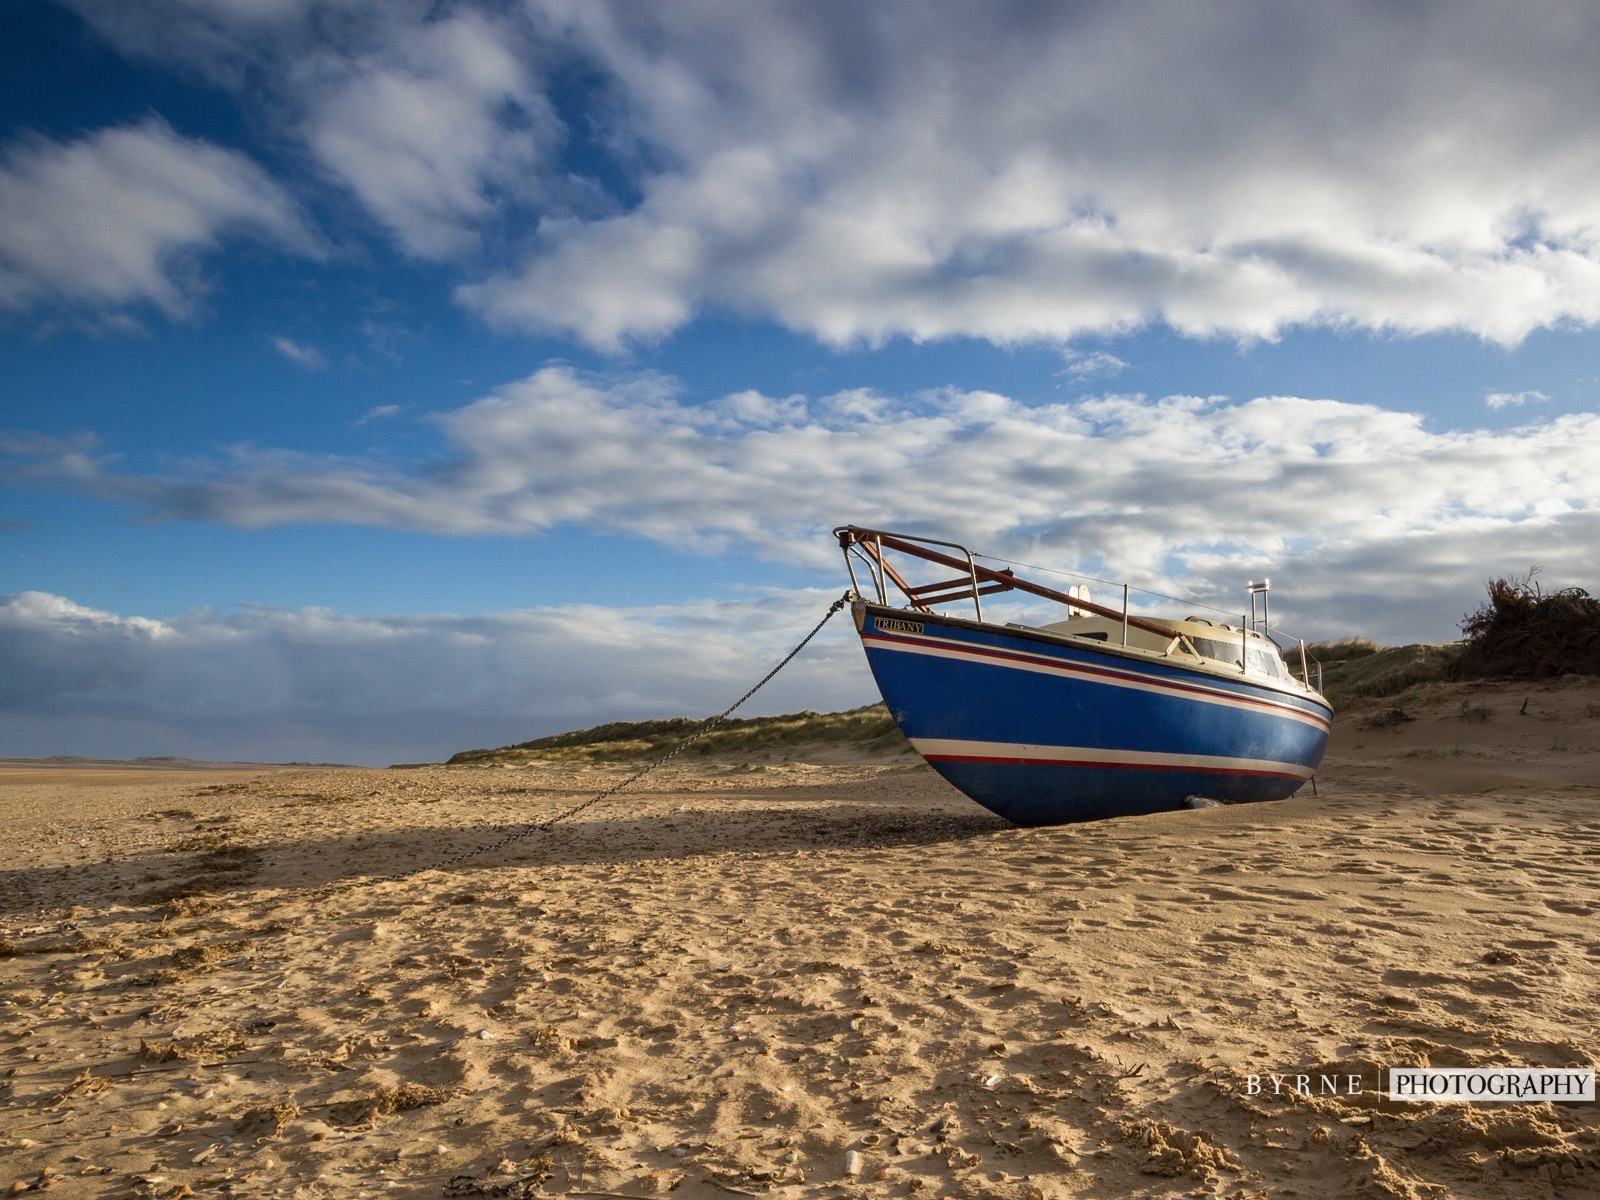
(1524, 632)
(160, 1052)
(204, 956)
(390, 1100)
(526, 1181)
(181, 890)
(412, 1095)
(267, 1121)
(225, 1041)
(190, 906)
(1175, 1151)
(221, 865)
(549, 1040)
(1389, 718)
(83, 1084)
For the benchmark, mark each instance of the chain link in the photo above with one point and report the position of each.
(526, 831)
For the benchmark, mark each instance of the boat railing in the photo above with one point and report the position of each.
(1307, 663)
(1259, 620)
(868, 548)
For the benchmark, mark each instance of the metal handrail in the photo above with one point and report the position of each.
(877, 540)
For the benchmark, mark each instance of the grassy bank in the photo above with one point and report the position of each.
(867, 730)
(1355, 670)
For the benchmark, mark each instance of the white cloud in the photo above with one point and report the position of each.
(225, 41)
(430, 115)
(306, 356)
(1514, 399)
(1021, 172)
(313, 685)
(1007, 171)
(120, 216)
(1185, 493)
(433, 129)
(1098, 365)
(39, 456)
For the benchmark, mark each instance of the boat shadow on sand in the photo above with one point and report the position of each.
(202, 861)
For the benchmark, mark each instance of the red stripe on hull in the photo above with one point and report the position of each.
(1110, 766)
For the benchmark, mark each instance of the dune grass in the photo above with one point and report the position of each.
(1357, 669)
(869, 729)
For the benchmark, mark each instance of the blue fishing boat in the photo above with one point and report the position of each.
(1106, 713)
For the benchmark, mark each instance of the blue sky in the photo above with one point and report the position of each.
(379, 381)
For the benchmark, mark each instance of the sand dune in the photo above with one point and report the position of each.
(841, 979)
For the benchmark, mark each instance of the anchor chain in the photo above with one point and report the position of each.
(526, 831)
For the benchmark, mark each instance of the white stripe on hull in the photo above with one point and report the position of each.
(1091, 756)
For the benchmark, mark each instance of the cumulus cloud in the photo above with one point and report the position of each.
(120, 216)
(313, 685)
(432, 116)
(1016, 171)
(308, 357)
(228, 42)
(1009, 171)
(1183, 492)
(40, 456)
(1514, 399)
(432, 129)
(1098, 365)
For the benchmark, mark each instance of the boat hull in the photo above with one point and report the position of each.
(1045, 730)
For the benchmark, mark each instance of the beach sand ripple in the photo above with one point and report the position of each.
(839, 978)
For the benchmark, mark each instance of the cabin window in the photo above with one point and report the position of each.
(1264, 662)
(1227, 652)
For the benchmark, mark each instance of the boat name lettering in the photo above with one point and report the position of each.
(892, 625)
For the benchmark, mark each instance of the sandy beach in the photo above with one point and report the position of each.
(796, 978)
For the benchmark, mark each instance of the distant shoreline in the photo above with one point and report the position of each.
(72, 762)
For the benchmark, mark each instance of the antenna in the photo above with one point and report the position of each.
(1259, 589)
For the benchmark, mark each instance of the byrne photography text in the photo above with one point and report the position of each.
(1489, 1084)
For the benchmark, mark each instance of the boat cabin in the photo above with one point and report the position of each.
(1198, 637)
